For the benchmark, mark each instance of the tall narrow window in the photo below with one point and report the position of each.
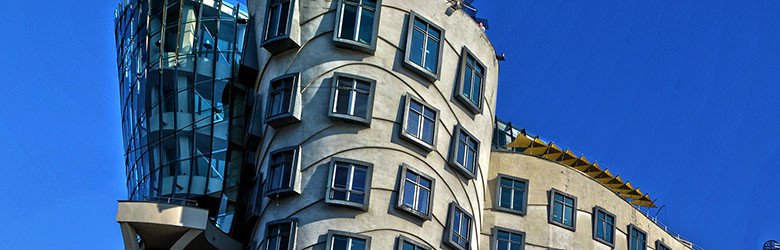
(420, 123)
(563, 209)
(416, 192)
(472, 77)
(357, 23)
(661, 246)
(352, 98)
(405, 243)
(280, 235)
(338, 240)
(604, 226)
(464, 154)
(637, 239)
(512, 194)
(424, 43)
(282, 99)
(506, 239)
(350, 183)
(278, 26)
(459, 227)
(282, 172)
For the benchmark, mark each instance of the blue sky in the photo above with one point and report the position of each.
(680, 97)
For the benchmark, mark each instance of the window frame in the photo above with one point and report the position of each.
(453, 161)
(293, 232)
(352, 118)
(402, 239)
(331, 173)
(450, 220)
(369, 48)
(475, 108)
(293, 111)
(430, 76)
(294, 187)
(628, 235)
(551, 206)
(659, 244)
(332, 233)
(279, 43)
(595, 222)
(401, 190)
(494, 237)
(497, 203)
(409, 137)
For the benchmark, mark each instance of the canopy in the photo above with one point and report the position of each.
(603, 175)
(613, 183)
(644, 201)
(567, 158)
(538, 147)
(623, 188)
(580, 162)
(553, 152)
(522, 141)
(633, 194)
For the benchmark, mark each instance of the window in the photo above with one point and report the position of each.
(282, 99)
(416, 192)
(420, 121)
(637, 239)
(661, 246)
(278, 26)
(405, 243)
(512, 194)
(350, 183)
(563, 209)
(424, 42)
(464, 153)
(459, 227)
(472, 79)
(338, 240)
(604, 226)
(507, 239)
(352, 98)
(357, 23)
(280, 235)
(283, 172)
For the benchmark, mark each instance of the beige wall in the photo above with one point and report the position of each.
(321, 138)
(542, 175)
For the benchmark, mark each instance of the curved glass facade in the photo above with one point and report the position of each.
(178, 63)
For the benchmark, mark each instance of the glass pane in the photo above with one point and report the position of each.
(342, 101)
(348, 22)
(502, 245)
(468, 74)
(419, 24)
(339, 195)
(409, 190)
(284, 242)
(461, 152)
(356, 197)
(340, 243)
(412, 123)
(568, 216)
(434, 32)
(425, 182)
(516, 237)
(273, 22)
(361, 105)
(417, 47)
(506, 198)
(283, 16)
(432, 56)
(476, 94)
(428, 129)
(358, 244)
(359, 179)
(422, 201)
(408, 246)
(273, 243)
(517, 203)
(340, 176)
(366, 26)
(558, 212)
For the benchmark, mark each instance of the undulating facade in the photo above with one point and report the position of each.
(343, 124)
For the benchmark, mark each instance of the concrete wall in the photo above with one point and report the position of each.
(322, 138)
(542, 176)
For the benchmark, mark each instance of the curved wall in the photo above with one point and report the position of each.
(322, 138)
(542, 176)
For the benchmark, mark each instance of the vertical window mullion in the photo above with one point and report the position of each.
(352, 97)
(350, 176)
(358, 14)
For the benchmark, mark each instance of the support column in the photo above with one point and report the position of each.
(129, 236)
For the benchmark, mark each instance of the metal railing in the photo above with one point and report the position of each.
(171, 200)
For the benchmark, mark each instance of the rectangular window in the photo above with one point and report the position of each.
(352, 98)
(405, 243)
(357, 23)
(338, 240)
(424, 43)
(603, 226)
(506, 239)
(282, 97)
(472, 77)
(420, 123)
(416, 192)
(464, 154)
(563, 209)
(459, 227)
(279, 17)
(637, 239)
(350, 183)
(280, 235)
(512, 194)
(661, 246)
(282, 172)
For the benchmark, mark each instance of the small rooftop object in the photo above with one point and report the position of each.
(771, 245)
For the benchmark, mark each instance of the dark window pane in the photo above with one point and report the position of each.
(476, 94)
(432, 56)
(273, 22)
(422, 201)
(413, 123)
(366, 26)
(428, 128)
(467, 82)
(348, 22)
(361, 105)
(340, 243)
(417, 48)
(409, 192)
(359, 179)
(408, 246)
(284, 15)
(340, 177)
(358, 244)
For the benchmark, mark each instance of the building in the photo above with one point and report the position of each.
(343, 124)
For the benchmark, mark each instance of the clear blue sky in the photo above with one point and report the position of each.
(680, 97)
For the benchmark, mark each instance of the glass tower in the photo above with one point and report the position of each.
(183, 111)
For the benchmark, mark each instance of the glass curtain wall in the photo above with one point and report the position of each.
(178, 62)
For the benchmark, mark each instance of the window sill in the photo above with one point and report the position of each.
(350, 119)
(347, 204)
(354, 45)
(474, 109)
(420, 143)
(413, 212)
(282, 120)
(279, 44)
(430, 76)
